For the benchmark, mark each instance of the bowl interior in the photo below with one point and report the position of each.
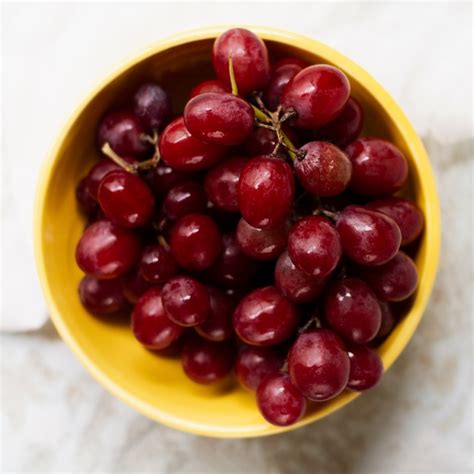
(156, 385)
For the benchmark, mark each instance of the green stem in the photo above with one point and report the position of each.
(109, 152)
(308, 324)
(162, 242)
(152, 162)
(289, 145)
(262, 117)
(233, 82)
(134, 168)
(319, 211)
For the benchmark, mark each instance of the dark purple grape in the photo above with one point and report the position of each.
(123, 132)
(101, 296)
(152, 106)
(185, 198)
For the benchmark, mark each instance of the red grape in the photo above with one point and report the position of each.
(232, 269)
(324, 169)
(279, 401)
(404, 212)
(218, 325)
(261, 141)
(157, 265)
(205, 361)
(222, 183)
(262, 244)
(266, 192)
(185, 198)
(150, 324)
(345, 127)
(87, 202)
(195, 242)
(368, 237)
(249, 59)
(378, 167)
(107, 251)
(125, 199)
(280, 77)
(134, 286)
(209, 86)
(186, 301)
(396, 280)
(296, 285)
(223, 119)
(352, 310)
(98, 172)
(182, 152)
(366, 368)
(265, 317)
(317, 94)
(101, 296)
(164, 178)
(254, 363)
(318, 365)
(388, 320)
(314, 246)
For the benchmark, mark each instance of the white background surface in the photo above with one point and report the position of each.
(55, 418)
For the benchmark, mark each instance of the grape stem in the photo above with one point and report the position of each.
(326, 213)
(144, 137)
(159, 226)
(110, 153)
(276, 118)
(267, 119)
(233, 82)
(152, 162)
(261, 115)
(133, 168)
(312, 321)
(162, 242)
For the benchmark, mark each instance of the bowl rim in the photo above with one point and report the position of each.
(427, 184)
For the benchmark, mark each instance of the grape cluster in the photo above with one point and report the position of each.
(257, 228)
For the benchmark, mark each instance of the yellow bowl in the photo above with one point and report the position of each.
(156, 386)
